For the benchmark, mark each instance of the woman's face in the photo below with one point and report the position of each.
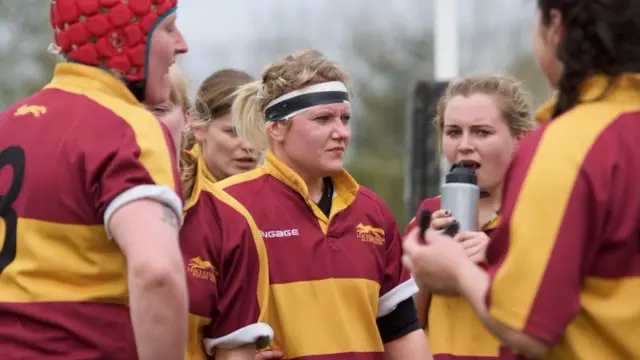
(173, 117)
(314, 142)
(225, 153)
(476, 133)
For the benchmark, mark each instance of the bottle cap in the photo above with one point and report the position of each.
(461, 173)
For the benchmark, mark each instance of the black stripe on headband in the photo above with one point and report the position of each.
(284, 108)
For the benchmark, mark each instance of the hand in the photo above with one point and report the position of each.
(440, 219)
(475, 244)
(434, 265)
(269, 354)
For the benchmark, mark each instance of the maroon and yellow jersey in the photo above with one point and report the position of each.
(70, 155)
(453, 329)
(331, 276)
(567, 250)
(202, 170)
(227, 272)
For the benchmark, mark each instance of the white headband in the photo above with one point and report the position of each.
(297, 101)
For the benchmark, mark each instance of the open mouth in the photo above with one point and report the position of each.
(246, 160)
(470, 163)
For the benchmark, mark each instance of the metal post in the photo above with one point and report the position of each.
(446, 49)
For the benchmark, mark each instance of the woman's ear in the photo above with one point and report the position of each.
(277, 130)
(199, 132)
(521, 136)
(187, 122)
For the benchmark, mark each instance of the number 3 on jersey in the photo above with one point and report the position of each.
(13, 157)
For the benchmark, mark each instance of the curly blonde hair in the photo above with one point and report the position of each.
(515, 103)
(296, 71)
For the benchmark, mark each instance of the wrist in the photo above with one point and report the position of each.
(466, 275)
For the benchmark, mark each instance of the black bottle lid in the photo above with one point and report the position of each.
(462, 173)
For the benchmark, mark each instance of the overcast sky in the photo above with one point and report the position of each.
(241, 33)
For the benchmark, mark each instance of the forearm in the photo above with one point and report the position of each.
(473, 285)
(422, 300)
(247, 352)
(412, 346)
(159, 304)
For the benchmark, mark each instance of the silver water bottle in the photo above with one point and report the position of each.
(460, 195)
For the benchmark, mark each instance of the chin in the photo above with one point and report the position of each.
(157, 94)
(334, 168)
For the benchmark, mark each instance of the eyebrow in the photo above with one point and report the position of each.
(472, 126)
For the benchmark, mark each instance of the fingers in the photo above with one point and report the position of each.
(475, 245)
(478, 258)
(441, 223)
(442, 213)
(472, 242)
(411, 242)
(269, 354)
(407, 262)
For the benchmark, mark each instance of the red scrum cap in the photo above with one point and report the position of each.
(111, 34)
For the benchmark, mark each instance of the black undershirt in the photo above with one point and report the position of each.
(400, 322)
(327, 196)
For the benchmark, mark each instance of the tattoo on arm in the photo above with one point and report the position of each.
(169, 217)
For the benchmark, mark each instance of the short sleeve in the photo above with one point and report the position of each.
(126, 160)
(243, 286)
(546, 234)
(398, 285)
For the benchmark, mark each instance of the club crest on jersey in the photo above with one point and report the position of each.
(202, 269)
(35, 110)
(368, 233)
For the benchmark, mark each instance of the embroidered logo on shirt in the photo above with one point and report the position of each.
(34, 110)
(368, 233)
(202, 269)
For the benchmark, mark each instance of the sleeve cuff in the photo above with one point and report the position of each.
(159, 193)
(389, 301)
(260, 334)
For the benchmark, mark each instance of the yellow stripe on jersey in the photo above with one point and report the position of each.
(45, 272)
(263, 275)
(611, 312)
(195, 349)
(330, 306)
(456, 330)
(536, 220)
(154, 155)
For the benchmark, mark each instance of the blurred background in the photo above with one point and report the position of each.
(385, 45)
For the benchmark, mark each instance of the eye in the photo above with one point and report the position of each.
(170, 26)
(483, 133)
(322, 118)
(159, 111)
(345, 118)
(452, 132)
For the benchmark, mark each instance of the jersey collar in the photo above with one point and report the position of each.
(202, 174)
(89, 78)
(203, 169)
(345, 186)
(591, 90)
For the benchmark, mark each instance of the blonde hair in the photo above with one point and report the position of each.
(213, 100)
(298, 70)
(179, 96)
(512, 99)
(179, 85)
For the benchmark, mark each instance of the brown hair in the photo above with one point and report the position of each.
(513, 100)
(298, 70)
(213, 100)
